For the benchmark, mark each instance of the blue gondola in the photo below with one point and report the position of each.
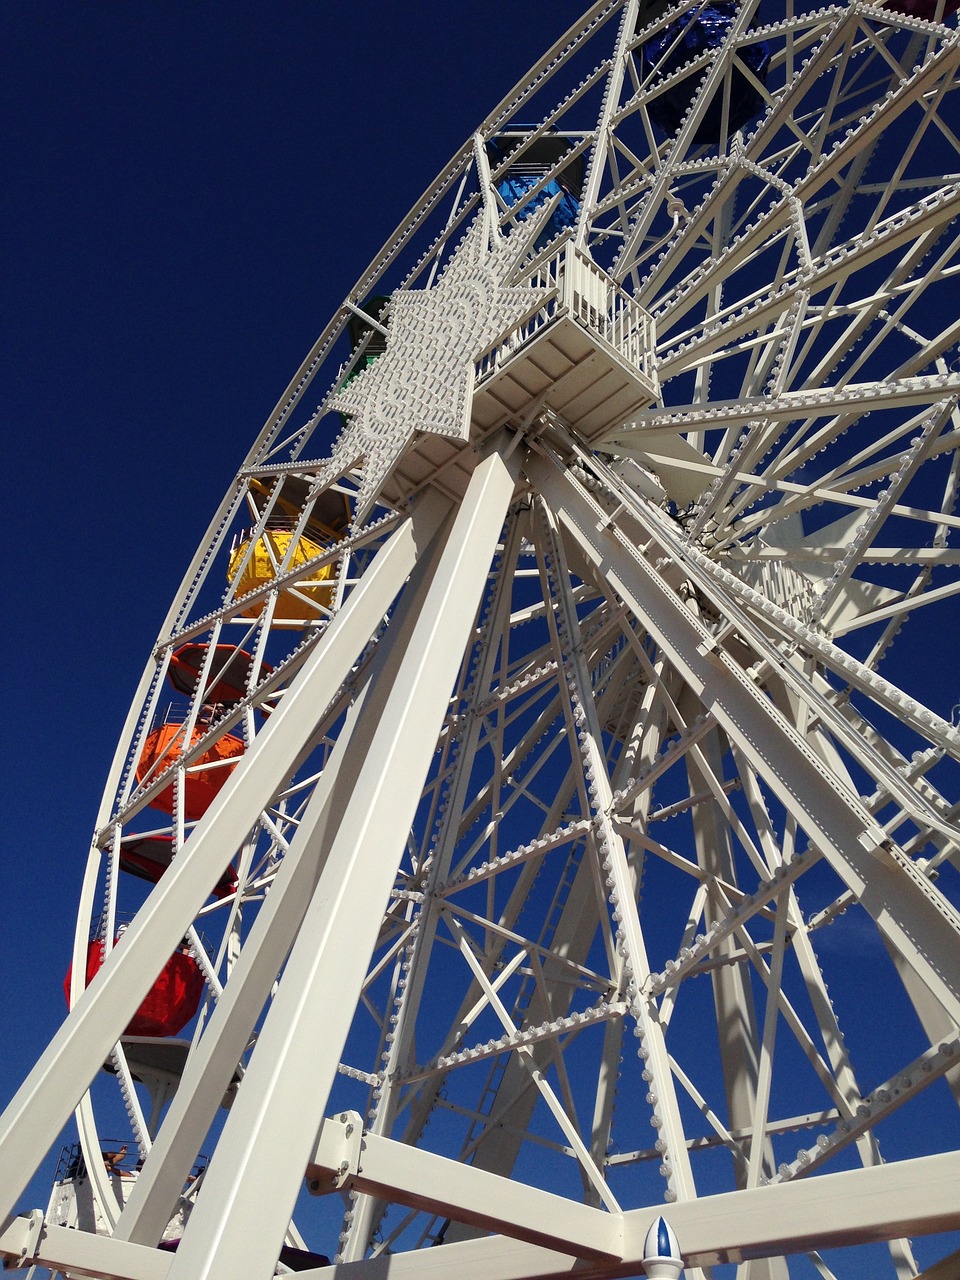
(513, 188)
(533, 162)
(692, 34)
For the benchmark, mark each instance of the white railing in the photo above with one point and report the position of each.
(577, 287)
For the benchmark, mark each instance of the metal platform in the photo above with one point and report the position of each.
(587, 354)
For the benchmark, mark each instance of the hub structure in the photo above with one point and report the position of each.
(547, 863)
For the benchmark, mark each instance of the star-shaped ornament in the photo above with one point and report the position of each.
(424, 380)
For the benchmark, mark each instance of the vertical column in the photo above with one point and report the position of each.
(214, 1059)
(244, 1208)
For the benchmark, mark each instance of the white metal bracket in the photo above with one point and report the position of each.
(18, 1243)
(876, 842)
(336, 1159)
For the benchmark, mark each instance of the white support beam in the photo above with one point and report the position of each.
(913, 1197)
(213, 1061)
(884, 1202)
(788, 406)
(27, 1242)
(919, 923)
(615, 868)
(234, 1229)
(421, 1180)
(34, 1118)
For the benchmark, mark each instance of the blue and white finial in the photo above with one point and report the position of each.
(661, 1252)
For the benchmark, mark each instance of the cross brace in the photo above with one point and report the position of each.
(421, 1180)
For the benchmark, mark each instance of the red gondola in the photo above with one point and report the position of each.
(228, 672)
(169, 1004)
(148, 857)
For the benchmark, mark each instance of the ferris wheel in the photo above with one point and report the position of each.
(533, 843)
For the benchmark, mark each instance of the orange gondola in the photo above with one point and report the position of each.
(164, 746)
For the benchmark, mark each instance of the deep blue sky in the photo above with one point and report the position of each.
(188, 190)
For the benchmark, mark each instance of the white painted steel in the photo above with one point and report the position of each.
(207, 1076)
(46, 1098)
(843, 1209)
(272, 1124)
(625, 503)
(425, 1181)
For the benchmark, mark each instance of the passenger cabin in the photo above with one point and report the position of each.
(204, 777)
(364, 335)
(168, 1006)
(227, 676)
(254, 563)
(702, 30)
(75, 1205)
(527, 175)
(147, 857)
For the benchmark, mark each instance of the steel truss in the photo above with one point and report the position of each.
(591, 762)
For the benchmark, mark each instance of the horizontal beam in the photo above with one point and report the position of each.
(26, 1242)
(789, 406)
(884, 1202)
(421, 1180)
(890, 1201)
